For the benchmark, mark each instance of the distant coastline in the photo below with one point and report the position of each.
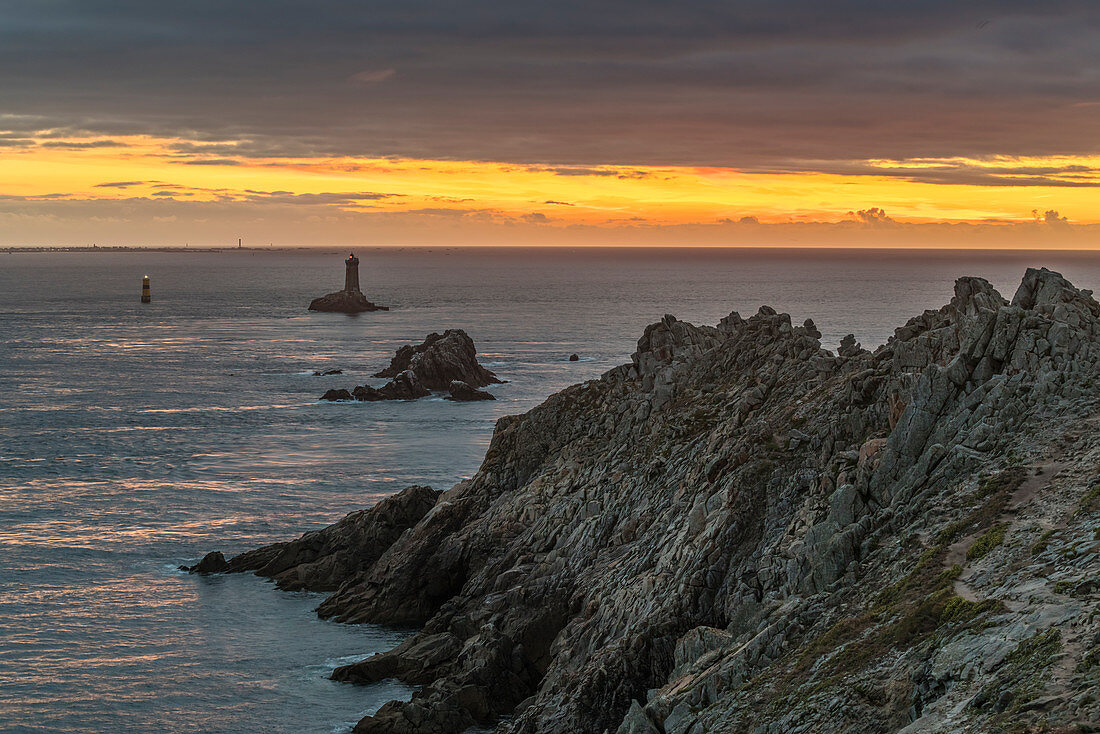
(132, 248)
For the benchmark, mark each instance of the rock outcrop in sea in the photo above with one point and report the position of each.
(439, 359)
(461, 391)
(446, 361)
(351, 298)
(741, 531)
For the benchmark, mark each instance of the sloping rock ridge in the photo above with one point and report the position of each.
(741, 531)
(324, 559)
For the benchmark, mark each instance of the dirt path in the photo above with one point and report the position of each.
(1039, 477)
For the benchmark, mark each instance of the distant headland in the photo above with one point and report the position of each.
(164, 248)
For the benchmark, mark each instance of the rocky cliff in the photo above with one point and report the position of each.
(741, 531)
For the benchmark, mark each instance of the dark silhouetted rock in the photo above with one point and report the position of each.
(440, 359)
(326, 373)
(574, 357)
(461, 391)
(335, 394)
(344, 302)
(213, 562)
(405, 386)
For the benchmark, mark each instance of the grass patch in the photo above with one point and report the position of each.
(962, 610)
(1022, 675)
(1042, 543)
(1009, 479)
(1090, 502)
(986, 542)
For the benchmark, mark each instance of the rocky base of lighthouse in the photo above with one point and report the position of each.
(344, 302)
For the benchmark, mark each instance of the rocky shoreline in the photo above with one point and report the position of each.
(741, 531)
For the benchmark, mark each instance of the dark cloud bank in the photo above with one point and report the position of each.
(802, 85)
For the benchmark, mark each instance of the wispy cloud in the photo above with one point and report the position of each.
(119, 184)
(82, 144)
(368, 77)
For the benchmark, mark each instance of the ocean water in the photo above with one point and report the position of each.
(135, 438)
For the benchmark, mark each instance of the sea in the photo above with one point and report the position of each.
(135, 438)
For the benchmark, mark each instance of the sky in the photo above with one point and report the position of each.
(431, 122)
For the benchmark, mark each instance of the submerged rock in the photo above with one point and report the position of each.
(326, 373)
(574, 357)
(461, 391)
(439, 359)
(743, 531)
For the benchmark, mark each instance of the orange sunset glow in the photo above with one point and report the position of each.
(738, 129)
(541, 203)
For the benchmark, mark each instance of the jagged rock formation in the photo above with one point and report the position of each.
(743, 532)
(446, 361)
(459, 390)
(439, 359)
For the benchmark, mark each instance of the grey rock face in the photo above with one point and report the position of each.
(439, 359)
(742, 531)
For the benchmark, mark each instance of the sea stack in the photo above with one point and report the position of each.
(349, 300)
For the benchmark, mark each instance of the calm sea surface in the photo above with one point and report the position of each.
(136, 438)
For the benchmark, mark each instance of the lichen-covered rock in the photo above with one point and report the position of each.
(439, 359)
(742, 531)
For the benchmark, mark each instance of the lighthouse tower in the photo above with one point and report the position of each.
(351, 274)
(349, 300)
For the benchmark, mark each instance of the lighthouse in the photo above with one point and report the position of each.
(351, 274)
(349, 300)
